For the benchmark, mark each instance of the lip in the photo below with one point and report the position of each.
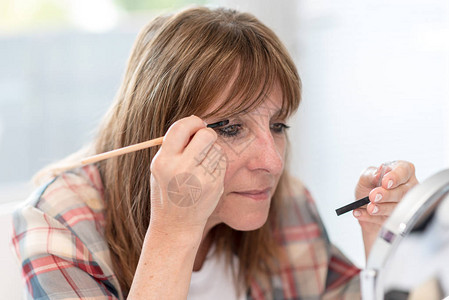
(257, 195)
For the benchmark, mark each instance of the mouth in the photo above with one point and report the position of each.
(258, 195)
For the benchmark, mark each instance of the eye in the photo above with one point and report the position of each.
(230, 131)
(279, 127)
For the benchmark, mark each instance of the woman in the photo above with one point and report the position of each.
(211, 210)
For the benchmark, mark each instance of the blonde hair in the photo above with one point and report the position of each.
(179, 65)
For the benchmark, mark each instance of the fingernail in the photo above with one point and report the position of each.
(390, 184)
(378, 198)
(356, 213)
(375, 210)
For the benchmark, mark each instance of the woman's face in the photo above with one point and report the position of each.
(254, 144)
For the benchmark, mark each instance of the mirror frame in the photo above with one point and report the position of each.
(407, 213)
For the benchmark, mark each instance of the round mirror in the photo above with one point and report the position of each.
(410, 258)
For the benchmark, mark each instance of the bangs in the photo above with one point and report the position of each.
(228, 63)
(246, 94)
(251, 76)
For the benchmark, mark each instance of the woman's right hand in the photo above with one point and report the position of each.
(187, 177)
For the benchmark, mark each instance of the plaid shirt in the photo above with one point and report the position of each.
(58, 238)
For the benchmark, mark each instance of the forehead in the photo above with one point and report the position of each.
(269, 104)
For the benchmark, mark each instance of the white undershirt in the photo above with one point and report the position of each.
(214, 280)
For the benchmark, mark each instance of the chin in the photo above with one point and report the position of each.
(246, 221)
(246, 226)
(241, 213)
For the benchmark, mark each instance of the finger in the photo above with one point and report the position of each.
(367, 181)
(363, 216)
(220, 169)
(380, 209)
(402, 172)
(214, 164)
(179, 134)
(200, 145)
(381, 171)
(381, 195)
(368, 177)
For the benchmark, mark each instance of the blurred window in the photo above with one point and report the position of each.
(61, 63)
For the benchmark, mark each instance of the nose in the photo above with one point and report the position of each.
(267, 153)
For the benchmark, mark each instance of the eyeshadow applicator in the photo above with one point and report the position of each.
(136, 147)
(363, 201)
(352, 206)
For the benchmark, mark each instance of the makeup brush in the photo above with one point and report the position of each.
(136, 147)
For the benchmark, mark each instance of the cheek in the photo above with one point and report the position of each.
(233, 162)
(237, 161)
(281, 144)
(232, 167)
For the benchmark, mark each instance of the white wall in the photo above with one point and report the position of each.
(11, 285)
(54, 87)
(375, 88)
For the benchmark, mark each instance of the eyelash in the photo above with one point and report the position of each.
(235, 129)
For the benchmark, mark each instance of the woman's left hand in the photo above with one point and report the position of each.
(399, 177)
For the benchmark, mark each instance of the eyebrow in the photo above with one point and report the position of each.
(228, 117)
(218, 124)
(223, 116)
(276, 114)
